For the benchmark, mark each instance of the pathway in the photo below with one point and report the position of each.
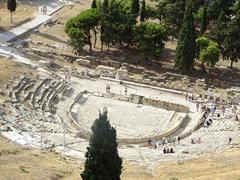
(52, 7)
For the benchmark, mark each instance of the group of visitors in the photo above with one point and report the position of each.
(125, 89)
(234, 109)
(165, 140)
(151, 144)
(207, 122)
(196, 140)
(43, 9)
(189, 96)
(168, 150)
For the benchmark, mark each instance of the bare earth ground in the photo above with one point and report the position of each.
(18, 162)
(55, 33)
(23, 14)
(10, 68)
(21, 163)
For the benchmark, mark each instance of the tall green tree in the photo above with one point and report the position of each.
(102, 159)
(11, 5)
(207, 51)
(180, 10)
(217, 6)
(186, 42)
(94, 4)
(116, 25)
(150, 39)
(218, 31)
(231, 42)
(86, 22)
(135, 8)
(77, 38)
(105, 6)
(142, 13)
(171, 13)
(204, 19)
(150, 12)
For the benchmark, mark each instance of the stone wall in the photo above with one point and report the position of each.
(166, 105)
(147, 101)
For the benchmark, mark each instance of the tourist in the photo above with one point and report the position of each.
(218, 115)
(168, 150)
(171, 150)
(229, 140)
(213, 110)
(223, 109)
(163, 140)
(205, 115)
(164, 151)
(108, 88)
(149, 142)
(236, 117)
(192, 97)
(178, 139)
(207, 122)
(192, 141)
(125, 91)
(155, 146)
(186, 96)
(235, 109)
(167, 140)
(197, 106)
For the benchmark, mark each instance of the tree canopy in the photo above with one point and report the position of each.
(79, 28)
(207, 52)
(149, 38)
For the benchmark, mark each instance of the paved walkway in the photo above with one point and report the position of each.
(20, 30)
(51, 6)
(12, 34)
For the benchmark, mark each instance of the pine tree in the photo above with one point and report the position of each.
(135, 8)
(142, 14)
(102, 159)
(204, 20)
(94, 4)
(11, 5)
(231, 43)
(186, 42)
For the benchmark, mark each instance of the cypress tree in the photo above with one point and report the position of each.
(94, 4)
(105, 6)
(135, 8)
(218, 32)
(142, 14)
(186, 42)
(102, 160)
(180, 9)
(204, 20)
(11, 5)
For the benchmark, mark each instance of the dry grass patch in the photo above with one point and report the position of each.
(10, 68)
(23, 14)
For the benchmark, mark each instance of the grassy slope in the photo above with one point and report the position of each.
(24, 163)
